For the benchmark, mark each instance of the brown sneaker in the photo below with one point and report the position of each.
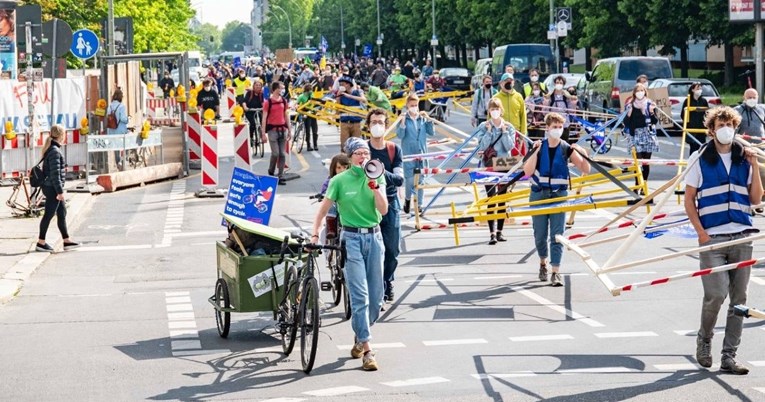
(357, 350)
(369, 363)
(730, 365)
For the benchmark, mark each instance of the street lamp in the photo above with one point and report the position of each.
(342, 31)
(434, 40)
(289, 24)
(379, 36)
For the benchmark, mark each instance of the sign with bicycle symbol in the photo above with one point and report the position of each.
(250, 196)
(263, 282)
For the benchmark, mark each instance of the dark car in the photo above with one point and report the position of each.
(457, 78)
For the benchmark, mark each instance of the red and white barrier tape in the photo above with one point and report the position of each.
(703, 272)
(633, 222)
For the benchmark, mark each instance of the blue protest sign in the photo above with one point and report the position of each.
(237, 62)
(367, 50)
(250, 196)
(84, 44)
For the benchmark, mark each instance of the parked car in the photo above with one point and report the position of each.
(523, 57)
(457, 78)
(610, 77)
(572, 80)
(481, 68)
(677, 88)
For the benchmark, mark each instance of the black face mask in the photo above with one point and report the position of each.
(508, 85)
(487, 86)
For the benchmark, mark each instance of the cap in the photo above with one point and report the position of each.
(347, 80)
(506, 76)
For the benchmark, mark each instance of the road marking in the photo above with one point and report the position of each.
(284, 400)
(391, 345)
(560, 309)
(182, 324)
(175, 212)
(626, 334)
(758, 280)
(694, 332)
(683, 366)
(180, 316)
(175, 308)
(416, 381)
(316, 155)
(597, 370)
(269, 349)
(302, 161)
(201, 352)
(336, 391)
(635, 273)
(429, 280)
(201, 234)
(454, 342)
(504, 375)
(177, 299)
(541, 338)
(114, 248)
(186, 344)
(480, 278)
(758, 363)
(759, 389)
(174, 294)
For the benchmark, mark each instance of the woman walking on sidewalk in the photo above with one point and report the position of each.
(53, 188)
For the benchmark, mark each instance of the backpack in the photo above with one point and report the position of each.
(391, 150)
(111, 119)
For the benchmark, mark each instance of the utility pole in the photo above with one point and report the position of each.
(342, 32)
(379, 37)
(30, 140)
(434, 40)
(110, 27)
(554, 42)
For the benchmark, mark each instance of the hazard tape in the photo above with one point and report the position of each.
(695, 274)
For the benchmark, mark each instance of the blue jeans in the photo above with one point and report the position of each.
(364, 278)
(390, 227)
(550, 224)
(409, 180)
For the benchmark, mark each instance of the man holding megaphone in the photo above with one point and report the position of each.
(391, 161)
(361, 203)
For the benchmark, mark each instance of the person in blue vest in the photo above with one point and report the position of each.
(350, 124)
(414, 131)
(548, 168)
(719, 193)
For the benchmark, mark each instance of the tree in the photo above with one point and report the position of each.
(209, 38)
(235, 36)
(603, 26)
(716, 27)
(276, 28)
(671, 27)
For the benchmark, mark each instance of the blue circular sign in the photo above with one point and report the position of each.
(85, 44)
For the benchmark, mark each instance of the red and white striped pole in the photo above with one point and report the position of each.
(210, 163)
(194, 130)
(242, 147)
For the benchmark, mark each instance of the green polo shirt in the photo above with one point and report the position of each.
(377, 97)
(355, 200)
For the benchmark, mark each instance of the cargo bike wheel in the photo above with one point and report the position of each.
(222, 303)
(309, 323)
(336, 279)
(288, 309)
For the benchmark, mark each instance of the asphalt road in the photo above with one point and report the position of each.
(126, 317)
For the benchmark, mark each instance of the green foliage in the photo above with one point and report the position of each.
(235, 36)
(204, 32)
(276, 28)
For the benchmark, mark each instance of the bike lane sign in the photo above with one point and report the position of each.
(251, 197)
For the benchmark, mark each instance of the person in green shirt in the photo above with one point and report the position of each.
(361, 203)
(397, 82)
(376, 96)
(310, 123)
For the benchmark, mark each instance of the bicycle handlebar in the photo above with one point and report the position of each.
(318, 196)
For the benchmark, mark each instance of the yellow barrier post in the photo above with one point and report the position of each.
(456, 229)
(416, 202)
(642, 184)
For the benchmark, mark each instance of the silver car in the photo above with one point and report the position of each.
(677, 88)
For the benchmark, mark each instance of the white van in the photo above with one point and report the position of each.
(196, 71)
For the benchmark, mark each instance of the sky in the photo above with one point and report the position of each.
(214, 11)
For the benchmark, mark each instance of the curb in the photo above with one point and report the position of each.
(13, 280)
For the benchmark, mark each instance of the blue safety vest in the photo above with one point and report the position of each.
(724, 197)
(551, 174)
(345, 101)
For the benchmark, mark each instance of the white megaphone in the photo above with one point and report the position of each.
(374, 169)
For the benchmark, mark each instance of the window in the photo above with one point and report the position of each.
(653, 68)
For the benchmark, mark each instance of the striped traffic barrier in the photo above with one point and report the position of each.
(15, 154)
(209, 163)
(242, 146)
(227, 103)
(194, 132)
(643, 162)
(161, 111)
(623, 225)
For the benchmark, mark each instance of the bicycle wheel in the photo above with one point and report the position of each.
(222, 318)
(288, 309)
(299, 139)
(595, 146)
(309, 323)
(337, 280)
(346, 301)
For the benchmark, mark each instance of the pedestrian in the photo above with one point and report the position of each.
(375, 96)
(207, 98)
(379, 77)
(276, 129)
(413, 131)
(752, 122)
(512, 103)
(642, 79)
(548, 169)
(361, 203)
(54, 170)
(719, 194)
(338, 164)
(252, 104)
(641, 120)
(392, 158)
(696, 117)
(167, 84)
(310, 123)
(533, 79)
(535, 110)
(397, 83)
(496, 140)
(350, 124)
(517, 86)
(427, 70)
(561, 102)
(240, 84)
(116, 121)
(481, 98)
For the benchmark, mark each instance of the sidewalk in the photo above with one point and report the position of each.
(18, 235)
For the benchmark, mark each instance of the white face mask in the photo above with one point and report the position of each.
(640, 95)
(724, 135)
(534, 78)
(378, 130)
(496, 114)
(555, 133)
(697, 93)
(751, 102)
(558, 87)
(413, 111)
(536, 92)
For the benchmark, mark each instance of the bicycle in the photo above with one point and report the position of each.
(33, 203)
(335, 264)
(298, 138)
(300, 305)
(258, 147)
(138, 157)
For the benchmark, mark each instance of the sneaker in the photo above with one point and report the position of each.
(369, 363)
(282, 182)
(730, 365)
(500, 237)
(44, 248)
(704, 352)
(543, 273)
(69, 245)
(759, 210)
(555, 280)
(492, 240)
(407, 205)
(358, 350)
